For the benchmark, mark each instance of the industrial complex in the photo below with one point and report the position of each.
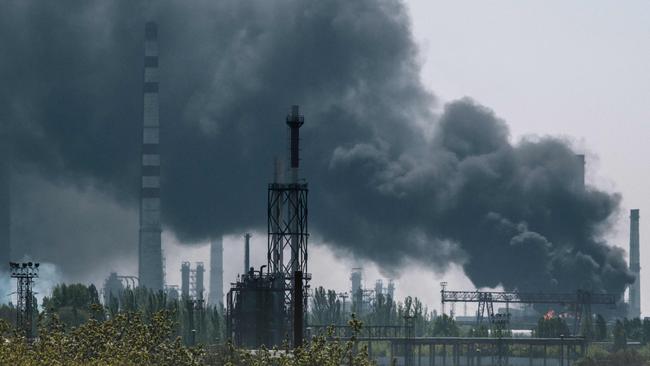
(267, 305)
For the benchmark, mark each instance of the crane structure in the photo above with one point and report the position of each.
(581, 301)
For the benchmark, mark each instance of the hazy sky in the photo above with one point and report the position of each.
(577, 69)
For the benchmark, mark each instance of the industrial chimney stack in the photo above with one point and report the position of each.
(247, 252)
(295, 121)
(635, 267)
(216, 272)
(185, 280)
(150, 268)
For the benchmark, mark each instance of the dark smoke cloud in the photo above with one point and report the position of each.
(382, 188)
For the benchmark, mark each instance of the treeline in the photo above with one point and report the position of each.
(326, 308)
(76, 304)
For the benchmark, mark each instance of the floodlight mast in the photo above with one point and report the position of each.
(24, 273)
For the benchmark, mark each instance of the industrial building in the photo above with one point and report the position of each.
(150, 262)
(266, 307)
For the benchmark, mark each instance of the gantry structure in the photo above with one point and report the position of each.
(580, 301)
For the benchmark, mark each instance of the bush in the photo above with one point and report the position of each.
(124, 340)
(620, 358)
(320, 351)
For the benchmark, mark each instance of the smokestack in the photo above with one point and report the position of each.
(294, 121)
(185, 280)
(635, 267)
(298, 313)
(355, 278)
(216, 272)
(199, 288)
(247, 252)
(150, 269)
(357, 291)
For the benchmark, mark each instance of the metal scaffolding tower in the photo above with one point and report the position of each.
(580, 301)
(25, 273)
(267, 307)
(287, 226)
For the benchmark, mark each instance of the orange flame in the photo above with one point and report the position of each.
(549, 315)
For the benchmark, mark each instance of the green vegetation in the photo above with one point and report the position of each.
(554, 327)
(327, 309)
(126, 339)
(146, 328)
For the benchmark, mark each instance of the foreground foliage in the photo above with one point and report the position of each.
(128, 339)
(320, 351)
(124, 340)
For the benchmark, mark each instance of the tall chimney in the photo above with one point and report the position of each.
(294, 121)
(635, 267)
(216, 272)
(298, 306)
(247, 252)
(150, 269)
(185, 280)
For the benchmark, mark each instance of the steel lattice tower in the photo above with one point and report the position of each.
(25, 273)
(287, 222)
(150, 267)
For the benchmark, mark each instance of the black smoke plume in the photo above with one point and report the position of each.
(391, 180)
